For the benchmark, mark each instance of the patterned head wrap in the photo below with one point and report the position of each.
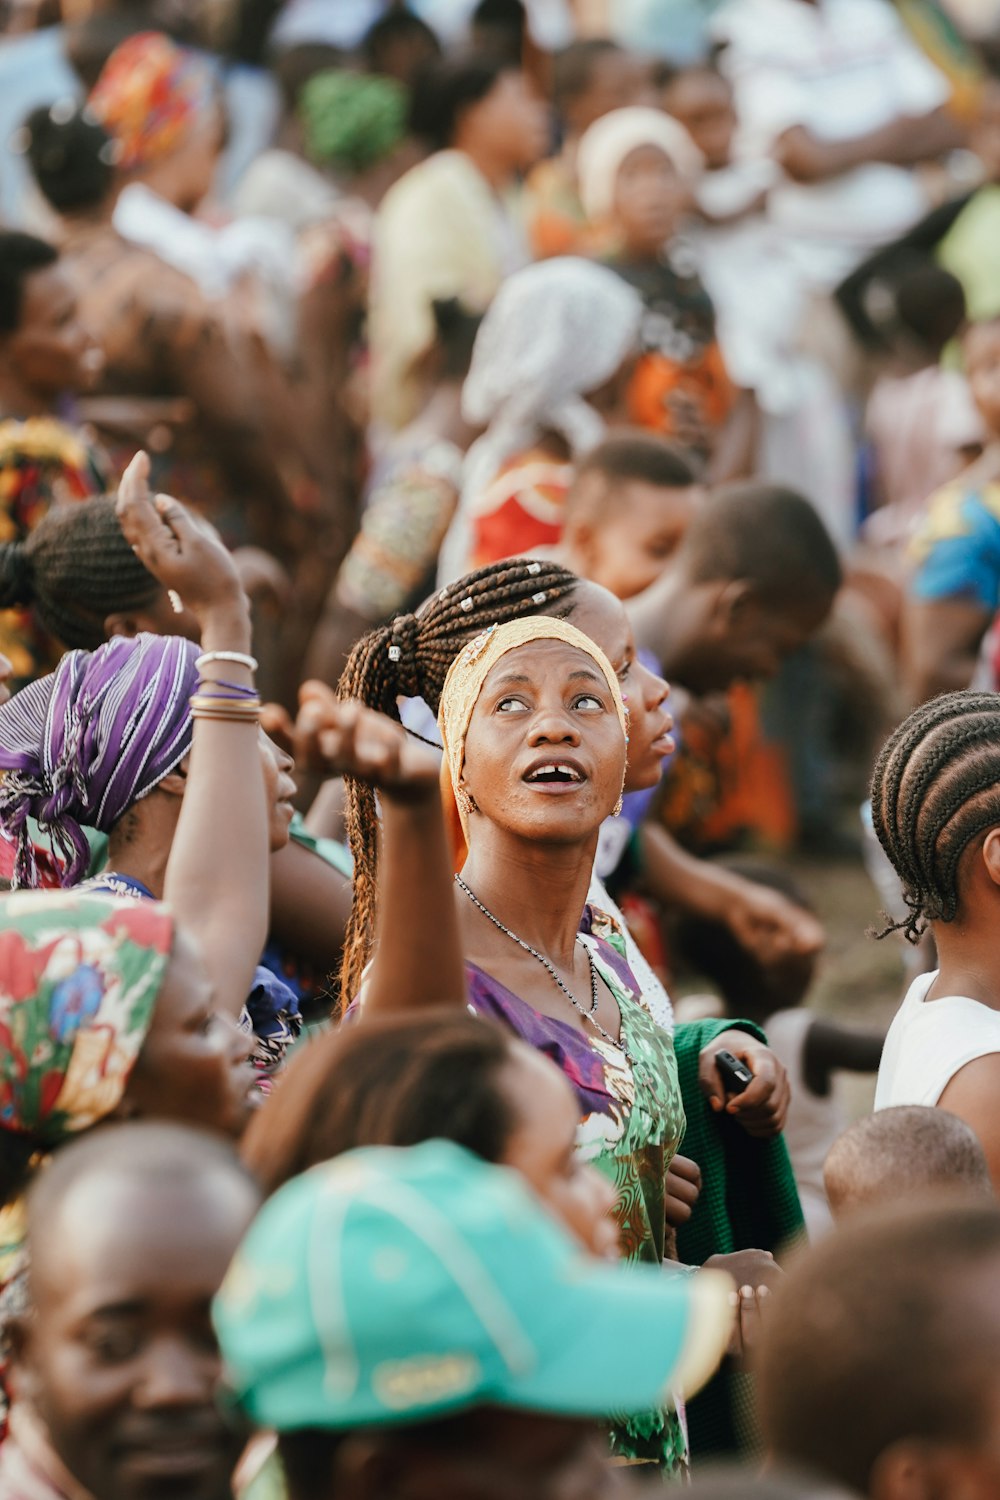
(150, 97)
(352, 120)
(605, 145)
(83, 744)
(79, 978)
(472, 666)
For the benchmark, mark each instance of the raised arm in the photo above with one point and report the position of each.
(417, 958)
(217, 873)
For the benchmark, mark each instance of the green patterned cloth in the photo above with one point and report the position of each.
(79, 977)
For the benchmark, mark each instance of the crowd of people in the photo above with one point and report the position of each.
(411, 1076)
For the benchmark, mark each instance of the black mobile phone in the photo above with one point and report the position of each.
(736, 1076)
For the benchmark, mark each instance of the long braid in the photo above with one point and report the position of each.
(410, 658)
(935, 787)
(74, 570)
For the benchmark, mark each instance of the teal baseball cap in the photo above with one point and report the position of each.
(399, 1285)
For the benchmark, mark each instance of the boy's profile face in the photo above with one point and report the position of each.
(981, 351)
(635, 530)
(747, 639)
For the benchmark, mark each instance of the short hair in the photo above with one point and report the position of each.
(902, 1151)
(629, 456)
(573, 68)
(147, 1151)
(766, 535)
(446, 87)
(935, 788)
(71, 155)
(391, 1081)
(20, 256)
(876, 1335)
(641, 455)
(396, 26)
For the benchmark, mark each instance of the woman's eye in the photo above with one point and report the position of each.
(511, 706)
(588, 701)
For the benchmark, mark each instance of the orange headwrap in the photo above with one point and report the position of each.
(150, 96)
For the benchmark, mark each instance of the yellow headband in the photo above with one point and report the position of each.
(473, 665)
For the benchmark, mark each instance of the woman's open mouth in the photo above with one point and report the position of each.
(554, 776)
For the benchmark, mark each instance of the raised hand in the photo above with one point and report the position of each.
(180, 551)
(346, 739)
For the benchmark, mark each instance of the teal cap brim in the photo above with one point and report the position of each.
(660, 1337)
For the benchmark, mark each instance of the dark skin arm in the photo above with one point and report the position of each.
(902, 143)
(418, 953)
(217, 873)
(736, 445)
(831, 1048)
(762, 920)
(310, 905)
(974, 1095)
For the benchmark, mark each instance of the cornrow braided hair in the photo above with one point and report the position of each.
(409, 658)
(936, 785)
(74, 570)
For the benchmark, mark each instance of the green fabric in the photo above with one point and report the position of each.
(636, 1163)
(337, 855)
(971, 251)
(352, 120)
(748, 1201)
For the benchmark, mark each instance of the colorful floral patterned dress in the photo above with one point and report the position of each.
(632, 1122)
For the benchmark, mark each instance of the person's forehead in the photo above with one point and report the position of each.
(537, 659)
(130, 1240)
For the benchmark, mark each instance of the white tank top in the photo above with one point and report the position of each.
(929, 1041)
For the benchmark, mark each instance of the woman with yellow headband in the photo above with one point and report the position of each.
(534, 731)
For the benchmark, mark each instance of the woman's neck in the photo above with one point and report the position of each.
(537, 890)
(140, 862)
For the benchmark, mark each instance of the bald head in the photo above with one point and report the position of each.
(130, 1232)
(879, 1355)
(903, 1152)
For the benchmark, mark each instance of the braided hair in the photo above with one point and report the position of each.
(74, 569)
(935, 787)
(409, 658)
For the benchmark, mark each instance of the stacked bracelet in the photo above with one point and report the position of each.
(246, 710)
(239, 657)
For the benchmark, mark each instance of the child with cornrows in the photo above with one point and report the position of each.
(936, 811)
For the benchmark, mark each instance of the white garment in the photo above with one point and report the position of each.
(930, 1041)
(839, 68)
(814, 1120)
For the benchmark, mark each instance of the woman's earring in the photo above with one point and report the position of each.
(466, 801)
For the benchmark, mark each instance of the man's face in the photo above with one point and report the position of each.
(119, 1358)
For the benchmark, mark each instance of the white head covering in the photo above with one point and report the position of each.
(605, 145)
(554, 332)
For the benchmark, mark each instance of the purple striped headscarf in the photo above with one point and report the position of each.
(80, 746)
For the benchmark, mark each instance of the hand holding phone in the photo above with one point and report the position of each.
(736, 1076)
